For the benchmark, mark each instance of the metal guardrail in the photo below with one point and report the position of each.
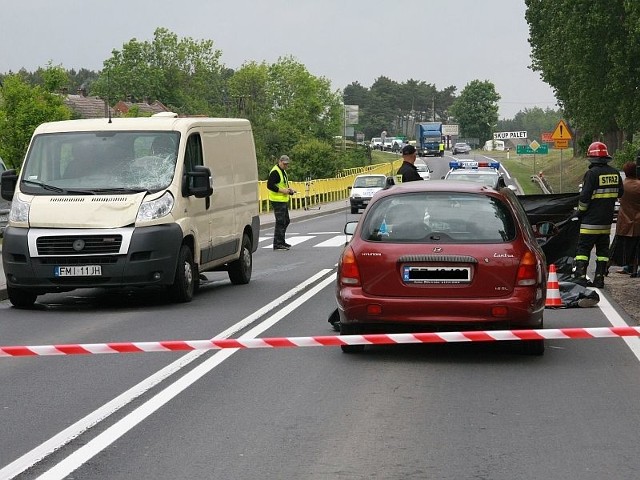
(323, 190)
(543, 183)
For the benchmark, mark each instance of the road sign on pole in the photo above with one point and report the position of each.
(542, 149)
(561, 132)
(351, 114)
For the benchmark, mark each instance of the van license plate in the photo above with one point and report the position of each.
(79, 271)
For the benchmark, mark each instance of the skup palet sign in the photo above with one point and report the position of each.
(509, 135)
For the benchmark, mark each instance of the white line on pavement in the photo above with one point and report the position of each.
(110, 435)
(48, 447)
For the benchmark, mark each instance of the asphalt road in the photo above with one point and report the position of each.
(414, 411)
(422, 411)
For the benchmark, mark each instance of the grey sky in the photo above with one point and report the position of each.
(441, 42)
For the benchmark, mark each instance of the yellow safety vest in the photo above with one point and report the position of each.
(283, 183)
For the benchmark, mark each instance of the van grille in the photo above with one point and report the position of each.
(70, 261)
(79, 245)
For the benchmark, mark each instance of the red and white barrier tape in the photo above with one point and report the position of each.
(320, 341)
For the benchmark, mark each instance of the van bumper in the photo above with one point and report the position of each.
(151, 260)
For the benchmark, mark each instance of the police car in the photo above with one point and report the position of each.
(486, 173)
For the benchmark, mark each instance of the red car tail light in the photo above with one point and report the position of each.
(499, 311)
(374, 309)
(349, 273)
(527, 271)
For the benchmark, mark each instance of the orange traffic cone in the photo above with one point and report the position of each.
(553, 289)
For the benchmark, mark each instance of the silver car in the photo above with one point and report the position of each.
(423, 170)
(460, 147)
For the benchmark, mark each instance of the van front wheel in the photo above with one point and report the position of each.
(21, 298)
(185, 278)
(240, 269)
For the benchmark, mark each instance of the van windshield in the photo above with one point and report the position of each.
(100, 161)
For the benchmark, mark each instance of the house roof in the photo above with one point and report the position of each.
(88, 107)
(123, 107)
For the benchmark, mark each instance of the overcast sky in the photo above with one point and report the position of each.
(440, 42)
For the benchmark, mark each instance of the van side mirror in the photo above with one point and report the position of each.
(8, 182)
(197, 182)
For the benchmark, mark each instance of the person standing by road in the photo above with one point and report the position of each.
(626, 243)
(601, 186)
(279, 192)
(408, 170)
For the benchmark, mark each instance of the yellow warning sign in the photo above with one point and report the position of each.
(561, 132)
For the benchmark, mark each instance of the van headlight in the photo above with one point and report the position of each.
(154, 209)
(19, 210)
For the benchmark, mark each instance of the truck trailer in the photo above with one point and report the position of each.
(428, 138)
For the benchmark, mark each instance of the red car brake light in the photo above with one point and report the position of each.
(348, 272)
(527, 270)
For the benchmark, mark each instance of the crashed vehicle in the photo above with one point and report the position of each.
(551, 218)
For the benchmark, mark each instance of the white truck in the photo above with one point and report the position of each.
(131, 202)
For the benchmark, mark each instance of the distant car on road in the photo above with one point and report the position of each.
(441, 256)
(460, 147)
(423, 169)
(388, 144)
(363, 188)
(376, 143)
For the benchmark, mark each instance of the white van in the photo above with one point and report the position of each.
(376, 143)
(129, 202)
(363, 188)
(494, 145)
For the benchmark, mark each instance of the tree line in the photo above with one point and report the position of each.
(587, 51)
(291, 110)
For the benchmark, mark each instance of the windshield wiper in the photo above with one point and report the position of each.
(53, 188)
(120, 190)
(45, 186)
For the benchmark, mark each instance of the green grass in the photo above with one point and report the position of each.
(563, 172)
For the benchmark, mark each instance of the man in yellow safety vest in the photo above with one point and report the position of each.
(279, 191)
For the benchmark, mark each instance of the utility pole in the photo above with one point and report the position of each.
(433, 108)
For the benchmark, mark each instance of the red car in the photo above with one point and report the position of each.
(441, 256)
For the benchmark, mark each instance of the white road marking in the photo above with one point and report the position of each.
(617, 321)
(293, 240)
(337, 241)
(56, 442)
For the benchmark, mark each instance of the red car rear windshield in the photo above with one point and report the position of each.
(439, 217)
